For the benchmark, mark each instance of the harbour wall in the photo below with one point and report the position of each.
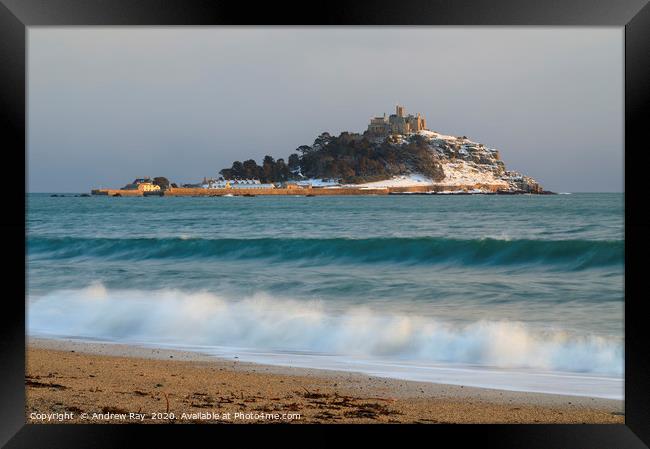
(116, 192)
(447, 188)
(280, 191)
(302, 191)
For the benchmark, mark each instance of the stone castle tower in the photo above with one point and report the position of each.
(398, 123)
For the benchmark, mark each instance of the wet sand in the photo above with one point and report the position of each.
(70, 381)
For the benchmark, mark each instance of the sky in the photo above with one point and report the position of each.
(110, 104)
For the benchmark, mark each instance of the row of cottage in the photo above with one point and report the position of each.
(222, 183)
(148, 185)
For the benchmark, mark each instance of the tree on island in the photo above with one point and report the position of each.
(267, 169)
(162, 182)
(250, 170)
(270, 170)
(350, 157)
(294, 162)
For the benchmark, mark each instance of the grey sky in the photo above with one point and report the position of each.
(106, 105)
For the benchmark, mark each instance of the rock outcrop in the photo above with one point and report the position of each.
(465, 160)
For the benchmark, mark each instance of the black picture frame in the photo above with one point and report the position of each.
(17, 15)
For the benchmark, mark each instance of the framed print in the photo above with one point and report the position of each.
(357, 214)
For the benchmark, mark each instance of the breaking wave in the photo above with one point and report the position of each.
(267, 323)
(570, 254)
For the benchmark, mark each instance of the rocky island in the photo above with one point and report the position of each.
(395, 155)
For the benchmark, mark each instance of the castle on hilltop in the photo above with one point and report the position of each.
(397, 123)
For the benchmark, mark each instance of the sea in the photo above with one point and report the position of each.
(514, 292)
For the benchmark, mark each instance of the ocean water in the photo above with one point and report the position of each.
(516, 292)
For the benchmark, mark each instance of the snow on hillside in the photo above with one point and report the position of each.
(414, 179)
(460, 172)
(435, 135)
(457, 173)
(463, 161)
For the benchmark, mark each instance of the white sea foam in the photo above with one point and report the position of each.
(269, 324)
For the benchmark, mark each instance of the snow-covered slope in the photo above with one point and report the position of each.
(414, 179)
(464, 163)
(461, 172)
(412, 160)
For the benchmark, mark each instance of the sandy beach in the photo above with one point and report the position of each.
(70, 381)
